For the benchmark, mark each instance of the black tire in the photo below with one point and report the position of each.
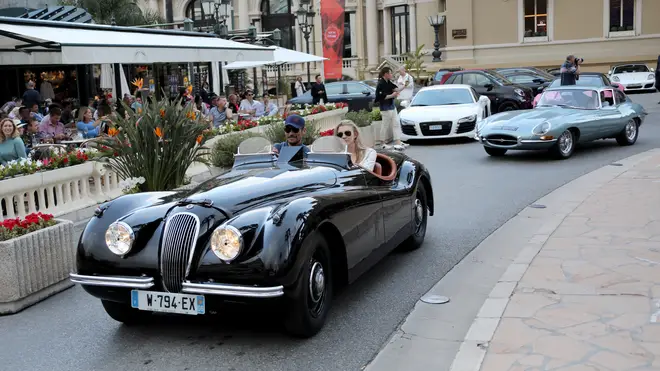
(507, 106)
(308, 308)
(420, 217)
(124, 313)
(495, 152)
(565, 146)
(629, 134)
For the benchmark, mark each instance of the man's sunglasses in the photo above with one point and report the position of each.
(288, 129)
(348, 133)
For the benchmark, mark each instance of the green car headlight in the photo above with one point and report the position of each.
(119, 238)
(542, 129)
(226, 242)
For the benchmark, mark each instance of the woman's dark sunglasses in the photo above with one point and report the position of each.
(288, 129)
(348, 133)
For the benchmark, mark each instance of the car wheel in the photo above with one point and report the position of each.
(310, 303)
(508, 106)
(629, 134)
(420, 216)
(124, 313)
(496, 152)
(565, 145)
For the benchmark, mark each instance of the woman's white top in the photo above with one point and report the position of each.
(369, 160)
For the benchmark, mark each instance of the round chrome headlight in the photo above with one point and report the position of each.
(542, 128)
(226, 242)
(119, 238)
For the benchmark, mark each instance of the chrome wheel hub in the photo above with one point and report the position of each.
(566, 142)
(631, 130)
(419, 212)
(316, 282)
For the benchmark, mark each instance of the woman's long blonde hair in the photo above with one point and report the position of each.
(360, 149)
(81, 113)
(15, 134)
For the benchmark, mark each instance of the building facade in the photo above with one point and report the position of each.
(475, 34)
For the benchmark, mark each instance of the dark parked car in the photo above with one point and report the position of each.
(555, 71)
(504, 95)
(357, 94)
(285, 229)
(441, 76)
(532, 80)
(545, 74)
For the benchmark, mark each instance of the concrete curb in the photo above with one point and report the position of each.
(473, 349)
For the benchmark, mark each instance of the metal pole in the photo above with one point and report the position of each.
(309, 75)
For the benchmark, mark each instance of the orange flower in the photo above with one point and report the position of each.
(191, 115)
(112, 132)
(159, 132)
(199, 139)
(139, 110)
(162, 112)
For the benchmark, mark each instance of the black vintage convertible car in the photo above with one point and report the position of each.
(290, 228)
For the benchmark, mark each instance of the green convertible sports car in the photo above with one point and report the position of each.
(563, 118)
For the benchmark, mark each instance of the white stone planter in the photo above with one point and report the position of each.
(367, 136)
(377, 127)
(36, 266)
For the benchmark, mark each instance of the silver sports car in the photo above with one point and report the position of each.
(563, 118)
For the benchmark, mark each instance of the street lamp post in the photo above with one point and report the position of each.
(219, 26)
(436, 21)
(305, 16)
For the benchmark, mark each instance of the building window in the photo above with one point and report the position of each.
(622, 15)
(278, 14)
(536, 18)
(400, 30)
(200, 14)
(349, 34)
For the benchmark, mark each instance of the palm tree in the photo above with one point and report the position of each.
(124, 12)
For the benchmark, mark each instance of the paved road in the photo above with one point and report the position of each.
(475, 195)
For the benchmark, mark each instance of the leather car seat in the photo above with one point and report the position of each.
(388, 167)
(378, 169)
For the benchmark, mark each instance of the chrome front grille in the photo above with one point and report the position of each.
(502, 140)
(179, 238)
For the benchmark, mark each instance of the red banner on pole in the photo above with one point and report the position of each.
(332, 21)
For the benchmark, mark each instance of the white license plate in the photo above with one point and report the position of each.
(435, 127)
(167, 302)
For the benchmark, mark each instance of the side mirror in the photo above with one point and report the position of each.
(489, 86)
(366, 92)
(405, 104)
(652, 69)
(609, 72)
(538, 81)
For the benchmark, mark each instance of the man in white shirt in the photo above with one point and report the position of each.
(406, 84)
(269, 108)
(249, 105)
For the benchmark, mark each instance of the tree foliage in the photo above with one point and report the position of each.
(125, 12)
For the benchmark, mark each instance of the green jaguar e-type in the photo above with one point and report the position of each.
(563, 118)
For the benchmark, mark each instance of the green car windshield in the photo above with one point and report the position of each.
(570, 98)
(585, 80)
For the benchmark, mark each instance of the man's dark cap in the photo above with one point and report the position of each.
(296, 121)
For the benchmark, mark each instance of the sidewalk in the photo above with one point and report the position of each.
(584, 297)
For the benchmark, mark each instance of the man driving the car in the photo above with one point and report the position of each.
(294, 130)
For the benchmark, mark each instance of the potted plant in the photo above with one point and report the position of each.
(37, 254)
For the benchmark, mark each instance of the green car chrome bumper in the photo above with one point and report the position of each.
(513, 143)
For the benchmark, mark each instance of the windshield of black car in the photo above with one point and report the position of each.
(442, 97)
(587, 80)
(632, 68)
(498, 77)
(570, 98)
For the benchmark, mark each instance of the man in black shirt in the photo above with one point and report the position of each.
(31, 96)
(318, 91)
(386, 93)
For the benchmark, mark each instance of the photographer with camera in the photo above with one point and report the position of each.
(570, 70)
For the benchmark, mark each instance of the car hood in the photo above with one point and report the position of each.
(439, 113)
(524, 120)
(633, 76)
(240, 189)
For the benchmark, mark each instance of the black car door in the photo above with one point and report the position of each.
(482, 85)
(359, 218)
(359, 96)
(530, 80)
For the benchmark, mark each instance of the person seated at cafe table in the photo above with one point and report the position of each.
(86, 124)
(30, 134)
(250, 106)
(269, 108)
(53, 129)
(11, 146)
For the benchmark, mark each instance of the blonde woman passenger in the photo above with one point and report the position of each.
(361, 155)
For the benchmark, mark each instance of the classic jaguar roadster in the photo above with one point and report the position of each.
(563, 118)
(289, 228)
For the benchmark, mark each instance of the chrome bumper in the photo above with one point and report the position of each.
(206, 288)
(212, 288)
(113, 281)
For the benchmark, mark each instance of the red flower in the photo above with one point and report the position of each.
(327, 133)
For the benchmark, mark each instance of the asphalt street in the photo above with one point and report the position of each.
(474, 193)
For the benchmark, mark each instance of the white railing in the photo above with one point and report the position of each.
(350, 62)
(58, 191)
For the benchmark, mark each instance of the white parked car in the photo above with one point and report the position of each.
(443, 111)
(633, 77)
